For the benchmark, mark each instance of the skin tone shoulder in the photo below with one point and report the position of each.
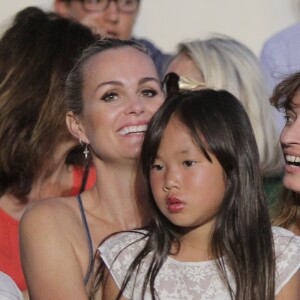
(111, 22)
(118, 105)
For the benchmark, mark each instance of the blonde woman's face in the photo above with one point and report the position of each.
(183, 65)
(290, 141)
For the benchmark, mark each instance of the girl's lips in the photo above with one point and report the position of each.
(175, 205)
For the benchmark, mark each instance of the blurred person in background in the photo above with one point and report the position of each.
(110, 18)
(221, 62)
(37, 156)
(279, 58)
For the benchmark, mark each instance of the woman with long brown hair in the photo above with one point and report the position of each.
(37, 156)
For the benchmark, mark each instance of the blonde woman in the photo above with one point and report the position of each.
(221, 62)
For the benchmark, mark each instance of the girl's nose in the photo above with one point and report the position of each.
(171, 180)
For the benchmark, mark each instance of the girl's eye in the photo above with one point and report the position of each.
(108, 97)
(150, 93)
(157, 167)
(189, 163)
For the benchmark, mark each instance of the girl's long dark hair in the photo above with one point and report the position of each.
(242, 237)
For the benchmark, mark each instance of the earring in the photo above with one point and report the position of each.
(86, 151)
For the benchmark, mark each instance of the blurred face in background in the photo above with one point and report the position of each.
(109, 18)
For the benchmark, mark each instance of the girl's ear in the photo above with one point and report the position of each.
(75, 127)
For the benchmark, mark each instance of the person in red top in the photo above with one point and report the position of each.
(39, 158)
(114, 19)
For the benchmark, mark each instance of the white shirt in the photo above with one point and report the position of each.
(8, 288)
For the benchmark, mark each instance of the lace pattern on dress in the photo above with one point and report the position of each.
(190, 280)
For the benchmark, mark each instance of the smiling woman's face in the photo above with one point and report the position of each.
(290, 141)
(121, 92)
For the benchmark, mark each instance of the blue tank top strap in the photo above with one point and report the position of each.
(89, 240)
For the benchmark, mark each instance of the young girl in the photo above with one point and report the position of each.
(210, 237)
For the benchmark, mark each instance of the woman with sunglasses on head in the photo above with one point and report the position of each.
(111, 93)
(210, 235)
(286, 98)
(224, 63)
(110, 18)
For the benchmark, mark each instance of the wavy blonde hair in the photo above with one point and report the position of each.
(227, 64)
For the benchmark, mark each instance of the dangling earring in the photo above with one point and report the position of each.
(86, 151)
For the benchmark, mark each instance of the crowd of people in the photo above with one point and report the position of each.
(129, 173)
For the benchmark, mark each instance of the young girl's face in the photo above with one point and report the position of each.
(187, 188)
(290, 141)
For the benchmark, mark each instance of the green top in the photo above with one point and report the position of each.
(272, 187)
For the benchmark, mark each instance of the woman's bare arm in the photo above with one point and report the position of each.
(49, 261)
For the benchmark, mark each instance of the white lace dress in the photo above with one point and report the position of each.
(190, 280)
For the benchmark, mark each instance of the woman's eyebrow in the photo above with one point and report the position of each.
(146, 79)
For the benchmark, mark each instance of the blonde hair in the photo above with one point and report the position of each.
(227, 64)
